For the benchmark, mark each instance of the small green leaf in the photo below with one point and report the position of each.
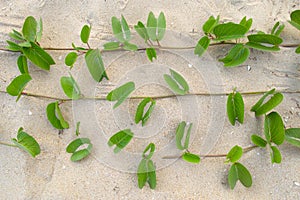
(29, 29)
(295, 19)
(71, 58)
(292, 136)
(236, 56)
(258, 141)
(202, 46)
(192, 158)
(39, 32)
(209, 25)
(261, 100)
(239, 172)
(151, 53)
(125, 28)
(17, 85)
(177, 83)
(275, 155)
(274, 128)
(274, 101)
(55, 117)
(151, 148)
(265, 42)
(70, 87)
(82, 153)
(229, 31)
(277, 29)
(26, 142)
(235, 108)
(142, 173)
(111, 46)
(22, 64)
(121, 93)
(12, 46)
(180, 133)
(117, 29)
(246, 23)
(85, 33)
(77, 132)
(120, 139)
(25, 44)
(161, 26)
(141, 30)
(139, 116)
(262, 47)
(297, 50)
(152, 26)
(151, 174)
(16, 35)
(234, 154)
(38, 56)
(129, 46)
(95, 65)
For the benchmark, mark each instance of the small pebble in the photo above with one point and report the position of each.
(60, 57)
(190, 65)
(249, 68)
(64, 167)
(29, 112)
(297, 183)
(258, 153)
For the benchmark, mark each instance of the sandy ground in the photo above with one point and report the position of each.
(106, 176)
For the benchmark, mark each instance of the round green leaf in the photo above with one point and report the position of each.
(275, 155)
(151, 53)
(192, 158)
(202, 46)
(274, 128)
(234, 154)
(85, 34)
(292, 136)
(258, 141)
(70, 87)
(27, 142)
(17, 85)
(29, 29)
(71, 58)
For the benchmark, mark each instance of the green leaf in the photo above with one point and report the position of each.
(77, 128)
(142, 173)
(234, 154)
(235, 108)
(71, 58)
(161, 26)
(180, 133)
(261, 100)
(17, 85)
(85, 33)
(22, 64)
(152, 26)
(38, 56)
(274, 128)
(292, 136)
(202, 46)
(70, 87)
(209, 25)
(111, 46)
(16, 35)
(121, 93)
(141, 30)
(192, 158)
(297, 50)
(151, 148)
(262, 47)
(95, 65)
(295, 19)
(177, 83)
(277, 29)
(265, 42)
(241, 173)
(125, 28)
(151, 53)
(139, 116)
(26, 142)
(151, 174)
(258, 141)
(78, 48)
(39, 32)
(229, 31)
(13, 46)
(29, 29)
(246, 23)
(120, 139)
(82, 153)
(236, 56)
(55, 117)
(25, 44)
(117, 29)
(274, 101)
(275, 155)
(129, 46)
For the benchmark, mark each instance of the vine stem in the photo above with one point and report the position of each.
(6, 144)
(245, 150)
(155, 46)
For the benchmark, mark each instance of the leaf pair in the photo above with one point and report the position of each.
(121, 93)
(183, 145)
(140, 116)
(262, 106)
(70, 87)
(55, 116)
(17, 85)
(27, 143)
(82, 153)
(264, 42)
(235, 107)
(237, 55)
(146, 170)
(237, 170)
(295, 21)
(292, 136)
(120, 139)
(122, 33)
(177, 83)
